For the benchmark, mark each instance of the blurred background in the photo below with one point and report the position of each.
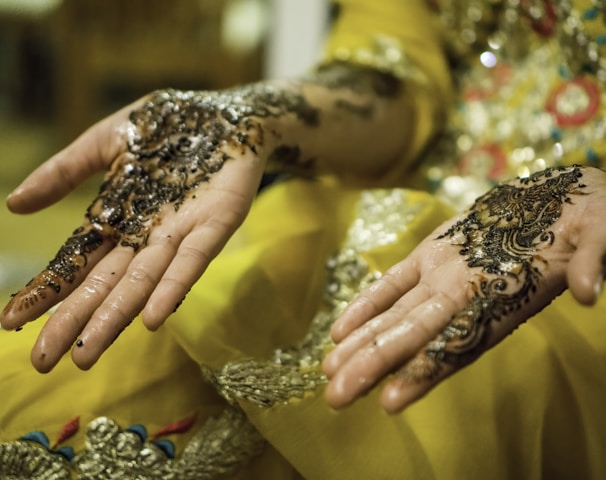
(65, 64)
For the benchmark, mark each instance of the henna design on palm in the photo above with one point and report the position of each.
(503, 235)
(175, 142)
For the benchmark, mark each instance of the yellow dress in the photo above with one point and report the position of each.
(231, 384)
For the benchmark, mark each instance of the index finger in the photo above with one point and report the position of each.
(91, 152)
(376, 298)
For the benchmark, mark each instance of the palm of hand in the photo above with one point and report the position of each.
(469, 285)
(154, 227)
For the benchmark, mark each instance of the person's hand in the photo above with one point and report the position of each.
(184, 169)
(470, 284)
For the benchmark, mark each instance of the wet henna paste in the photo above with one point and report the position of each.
(503, 235)
(175, 142)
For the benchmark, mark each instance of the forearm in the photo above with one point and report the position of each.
(354, 122)
(364, 125)
(364, 115)
(365, 135)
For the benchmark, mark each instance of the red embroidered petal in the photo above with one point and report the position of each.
(68, 431)
(180, 426)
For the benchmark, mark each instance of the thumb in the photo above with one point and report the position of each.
(585, 273)
(92, 152)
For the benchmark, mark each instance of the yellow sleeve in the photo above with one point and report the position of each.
(400, 37)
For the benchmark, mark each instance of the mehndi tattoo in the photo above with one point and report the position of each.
(177, 141)
(504, 233)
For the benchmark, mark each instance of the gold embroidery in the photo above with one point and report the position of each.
(222, 446)
(295, 372)
(386, 55)
(530, 82)
(510, 27)
(26, 460)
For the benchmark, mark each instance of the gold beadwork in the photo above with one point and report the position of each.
(221, 446)
(530, 93)
(294, 372)
(386, 55)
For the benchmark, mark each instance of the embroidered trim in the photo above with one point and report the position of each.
(385, 54)
(295, 372)
(222, 445)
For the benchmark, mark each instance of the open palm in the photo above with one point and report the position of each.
(183, 171)
(470, 284)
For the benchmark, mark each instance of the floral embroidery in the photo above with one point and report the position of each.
(530, 78)
(574, 102)
(220, 447)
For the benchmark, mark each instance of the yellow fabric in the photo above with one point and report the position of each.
(130, 382)
(410, 24)
(528, 409)
(531, 408)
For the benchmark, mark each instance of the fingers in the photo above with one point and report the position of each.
(377, 298)
(585, 273)
(401, 392)
(220, 210)
(166, 269)
(586, 233)
(119, 303)
(52, 285)
(190, 261)
(121, 285)
(462, 341)
(90, 153)
(65, 325)
(390, 347)
(366, 332)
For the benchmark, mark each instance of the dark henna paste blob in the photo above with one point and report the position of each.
(363, 111)
(361, 80)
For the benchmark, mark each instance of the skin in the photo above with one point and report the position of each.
(183, 169)
(110, 271)
(468, 285)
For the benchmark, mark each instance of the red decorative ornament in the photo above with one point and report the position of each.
(545, 25)
(574, 102)
(180, 426)
(68, 431)
(488, 160)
